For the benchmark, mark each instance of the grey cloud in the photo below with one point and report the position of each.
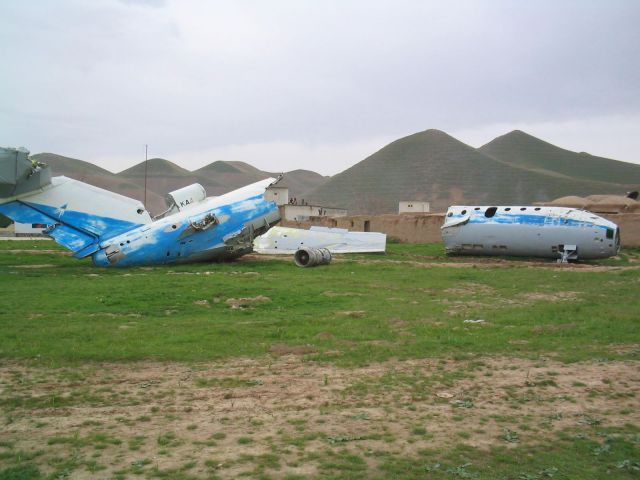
(104, 77)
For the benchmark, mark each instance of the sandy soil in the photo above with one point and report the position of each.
(229, 417)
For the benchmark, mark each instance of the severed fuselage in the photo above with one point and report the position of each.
(531, 231)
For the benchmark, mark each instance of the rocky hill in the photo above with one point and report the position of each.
(164, 176)
(520, 148)
(433, 166)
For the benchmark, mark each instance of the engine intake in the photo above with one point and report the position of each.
(311, 257)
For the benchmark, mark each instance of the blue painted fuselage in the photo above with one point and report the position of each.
(176, 238)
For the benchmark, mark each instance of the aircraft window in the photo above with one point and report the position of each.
(140, 211)
(490, 212)
(477, 208)
(450, 214)
(609, 232)
(523, 208)
(537, 208)
(174, 226)
(507, 209)
(463, 212)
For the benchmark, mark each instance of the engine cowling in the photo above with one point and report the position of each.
(311, 257)
(185, 197)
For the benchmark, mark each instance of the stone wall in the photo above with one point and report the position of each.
(425, 228)
(629, 224)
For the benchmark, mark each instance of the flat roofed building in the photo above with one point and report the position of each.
(299, 213)
(27, 229)
(277, 194)
(414, 207)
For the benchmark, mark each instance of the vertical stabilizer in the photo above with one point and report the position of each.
(19, 174)
(79, 215)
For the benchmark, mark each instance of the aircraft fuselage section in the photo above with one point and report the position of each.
(207, 231)
(528, 231)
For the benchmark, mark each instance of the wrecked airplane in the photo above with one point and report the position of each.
(529, 231)
(118, 231)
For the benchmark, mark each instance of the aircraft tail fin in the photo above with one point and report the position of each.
(79, 215)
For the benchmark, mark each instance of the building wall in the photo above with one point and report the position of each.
(304, 212)
(629, 224)
(280, 195)
(29, 229)
(413, 207)
(425, 228)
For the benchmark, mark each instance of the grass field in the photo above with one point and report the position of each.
(403, 365)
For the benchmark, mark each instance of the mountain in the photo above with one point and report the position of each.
(433, 166)
(220, 177)
(301, 181)
(58, 163)
(164, 176)
(520, 148)
(94, 175)
(154, 166)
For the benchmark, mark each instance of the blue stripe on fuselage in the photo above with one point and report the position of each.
(158, 242)
(526, 219)
(96, 225)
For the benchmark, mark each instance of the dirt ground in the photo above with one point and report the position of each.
(281, 414)
(464, 261)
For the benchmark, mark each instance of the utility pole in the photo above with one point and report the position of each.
(146, 152)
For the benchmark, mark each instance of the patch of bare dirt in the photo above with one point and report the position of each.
(559, 296)
(627, 349)
(470, 288)
(324, 336)
(245, 302)
(554, 328)
(222, 417)
(330, 293)
(282, 349)
(492, 262)
(465, 299)
(36, 251)
(42, 265)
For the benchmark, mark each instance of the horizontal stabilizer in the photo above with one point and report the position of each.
(73, 239)
(21, 213)
(79, 215)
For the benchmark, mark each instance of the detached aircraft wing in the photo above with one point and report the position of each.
(281, 240)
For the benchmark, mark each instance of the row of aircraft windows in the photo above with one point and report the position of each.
(491, 211)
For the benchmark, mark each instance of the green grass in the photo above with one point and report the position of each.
(361, 309)
(570, 458)
(351, 312)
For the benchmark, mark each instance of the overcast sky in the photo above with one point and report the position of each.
(313, 84)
